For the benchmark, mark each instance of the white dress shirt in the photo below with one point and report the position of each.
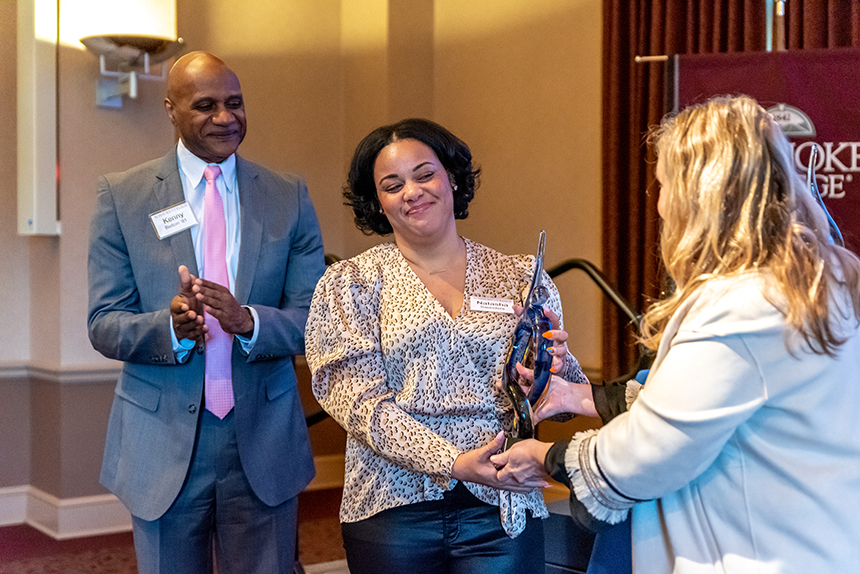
(194, 187)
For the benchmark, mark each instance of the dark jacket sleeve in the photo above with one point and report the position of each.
(609, 400)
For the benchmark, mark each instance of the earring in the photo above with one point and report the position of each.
(455, 187)
(380, 210)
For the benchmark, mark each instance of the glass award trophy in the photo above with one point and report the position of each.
(529, 348)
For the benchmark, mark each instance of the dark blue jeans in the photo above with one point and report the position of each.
(456, 535)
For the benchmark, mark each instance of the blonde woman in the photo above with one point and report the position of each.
(741, 453)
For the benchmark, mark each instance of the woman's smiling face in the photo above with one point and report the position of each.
(414, 190)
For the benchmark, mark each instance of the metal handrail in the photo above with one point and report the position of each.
(645, 358)
(597, 276)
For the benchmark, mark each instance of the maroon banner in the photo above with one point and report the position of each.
(814, 95)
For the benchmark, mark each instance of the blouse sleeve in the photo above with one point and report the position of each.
(344, 353)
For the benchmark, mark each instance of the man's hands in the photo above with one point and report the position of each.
(187, 320)
(220, 303)
(197, 295)
(477, 466)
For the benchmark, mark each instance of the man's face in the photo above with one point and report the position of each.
(205, 104)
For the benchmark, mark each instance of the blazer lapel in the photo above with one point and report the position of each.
(251, 201)
(168, 191)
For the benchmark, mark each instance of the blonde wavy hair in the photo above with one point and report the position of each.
(734, 203)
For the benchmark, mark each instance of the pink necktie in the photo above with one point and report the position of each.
(219, 381)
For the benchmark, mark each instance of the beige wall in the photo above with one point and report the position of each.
(287, 57)
(519, 81)
(14, 277)
(14, 250)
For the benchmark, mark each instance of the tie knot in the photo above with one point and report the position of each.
(211, 172)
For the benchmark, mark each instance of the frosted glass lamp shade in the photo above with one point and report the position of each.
(127, 31)
(141, 18)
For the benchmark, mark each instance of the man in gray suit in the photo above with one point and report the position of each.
(192, 480)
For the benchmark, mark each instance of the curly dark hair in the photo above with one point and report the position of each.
(455, 156)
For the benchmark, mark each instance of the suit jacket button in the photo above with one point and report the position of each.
(192, 409)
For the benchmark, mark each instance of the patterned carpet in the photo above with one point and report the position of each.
(24, 550)
(102, 561)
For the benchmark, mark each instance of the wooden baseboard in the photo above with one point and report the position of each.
(13, 505)
(63, 518)
(105, 514)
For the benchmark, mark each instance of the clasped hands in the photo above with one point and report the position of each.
(197, 296)
(521, 467)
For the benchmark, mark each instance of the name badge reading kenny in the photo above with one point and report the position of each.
(491, 305)
(172, 220)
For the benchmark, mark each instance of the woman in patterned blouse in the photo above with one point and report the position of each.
(406, 343)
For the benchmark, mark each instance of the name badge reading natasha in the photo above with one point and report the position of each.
(172, 220)
(491, 305)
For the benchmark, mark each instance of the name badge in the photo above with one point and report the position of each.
(491, 305)
(172, 220)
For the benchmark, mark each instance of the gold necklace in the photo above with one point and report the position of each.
(437, 272)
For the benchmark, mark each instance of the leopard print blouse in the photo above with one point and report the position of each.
(412, 386)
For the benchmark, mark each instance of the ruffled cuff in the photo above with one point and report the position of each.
(588, 485)
(632, 392)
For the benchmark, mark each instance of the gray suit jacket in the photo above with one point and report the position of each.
(132, 279)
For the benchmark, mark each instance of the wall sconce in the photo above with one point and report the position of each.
(128, 36)
(127, 54)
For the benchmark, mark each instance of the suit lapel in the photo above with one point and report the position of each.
(251, 200)
(168, 191)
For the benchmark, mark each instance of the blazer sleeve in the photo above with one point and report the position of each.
(118, 326)
(282, 322)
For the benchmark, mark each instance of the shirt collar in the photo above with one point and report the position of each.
(192, 166)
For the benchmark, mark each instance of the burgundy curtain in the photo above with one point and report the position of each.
(822, 24)
(634, 99)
